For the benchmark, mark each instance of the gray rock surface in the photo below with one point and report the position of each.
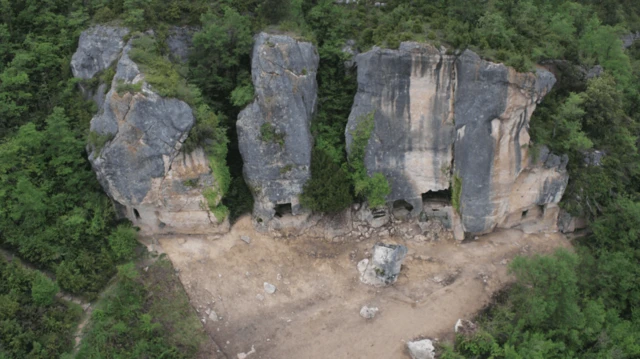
(154, 184)
(629, 39)
(98, 48)
(179, 42)
(368, 312)
(384, 266)
(421, 349)
(269, 288)
(426, 103)
(410, 91)
(274, 131)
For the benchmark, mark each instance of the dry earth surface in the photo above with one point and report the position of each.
(314, 312)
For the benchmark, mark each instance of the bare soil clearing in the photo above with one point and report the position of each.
(314, 312)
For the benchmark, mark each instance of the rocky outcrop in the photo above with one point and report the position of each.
(274, 131)
(136, 154)
(384, 266)
(410, 93)
(629, 39)
(179, 42)
(98, 49)
(442, 118)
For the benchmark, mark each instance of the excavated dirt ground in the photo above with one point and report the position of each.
(315, 311)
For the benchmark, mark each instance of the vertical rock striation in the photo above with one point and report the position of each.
(137, 155)
(274, 131)
(410, 91)
(442, 118)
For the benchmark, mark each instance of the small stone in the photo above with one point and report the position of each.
(182, 241)
(244, 355)
(421, 349)
(260, 297)
(368, 312)
(269, 288)
(213, 316)
(279, 277)
(246, 239)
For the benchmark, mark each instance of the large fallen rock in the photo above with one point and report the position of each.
(274, 131)
(384, 266)
(421, 349)
(441, 119)
(135, 150)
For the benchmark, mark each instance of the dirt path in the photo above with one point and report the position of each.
(315, 311)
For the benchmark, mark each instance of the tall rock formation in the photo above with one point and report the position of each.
(442, 119)
(137, 137)
(274, 131)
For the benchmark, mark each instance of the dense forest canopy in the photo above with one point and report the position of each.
(54, 214)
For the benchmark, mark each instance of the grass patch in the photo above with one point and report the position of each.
(286, 169)
(98, 141)
(269, 133)
(456, 191)
(145, 314)
(374, 188)
(124, 87)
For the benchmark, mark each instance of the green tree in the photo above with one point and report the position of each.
(43, 290)
(329, 189)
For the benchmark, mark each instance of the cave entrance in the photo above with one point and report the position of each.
(401, 209)
(443, 196)
(402, 204)
(136, 214)
(283, 209)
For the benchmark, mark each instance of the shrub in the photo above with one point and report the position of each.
(123, 241)
(98, 141)
(328, 190)
(374, 188)
(269, 133)
(125, 87)
(43, 290)
(456, 191)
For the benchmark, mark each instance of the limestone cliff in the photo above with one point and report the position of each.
(274, 131)
(137, 156)
(442, 119)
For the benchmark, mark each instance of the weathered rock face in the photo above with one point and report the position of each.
(179, 42)
(384, 266)
(273, 131)
(440, 116)
(154, 184)
(99, 47)
(410, 92)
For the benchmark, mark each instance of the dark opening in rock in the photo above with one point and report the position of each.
(399, 204)
(378, 213)
(437, 196)
(524, 213)
(282, 209)
(541, 208)
(136, 213)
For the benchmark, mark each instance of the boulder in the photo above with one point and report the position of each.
(368, 312)
(139, 162)
(98, 48)
(421, 349)
(629, 39)
(384, 266)
(179, 42)
(439, 116)
(274, 130)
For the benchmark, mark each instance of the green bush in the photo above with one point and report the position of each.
(43, 290)
(98, 141)
(123, 87)
(123, 242)
(456, 192)
(329, 188)
(269, 133)
(374, 188)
